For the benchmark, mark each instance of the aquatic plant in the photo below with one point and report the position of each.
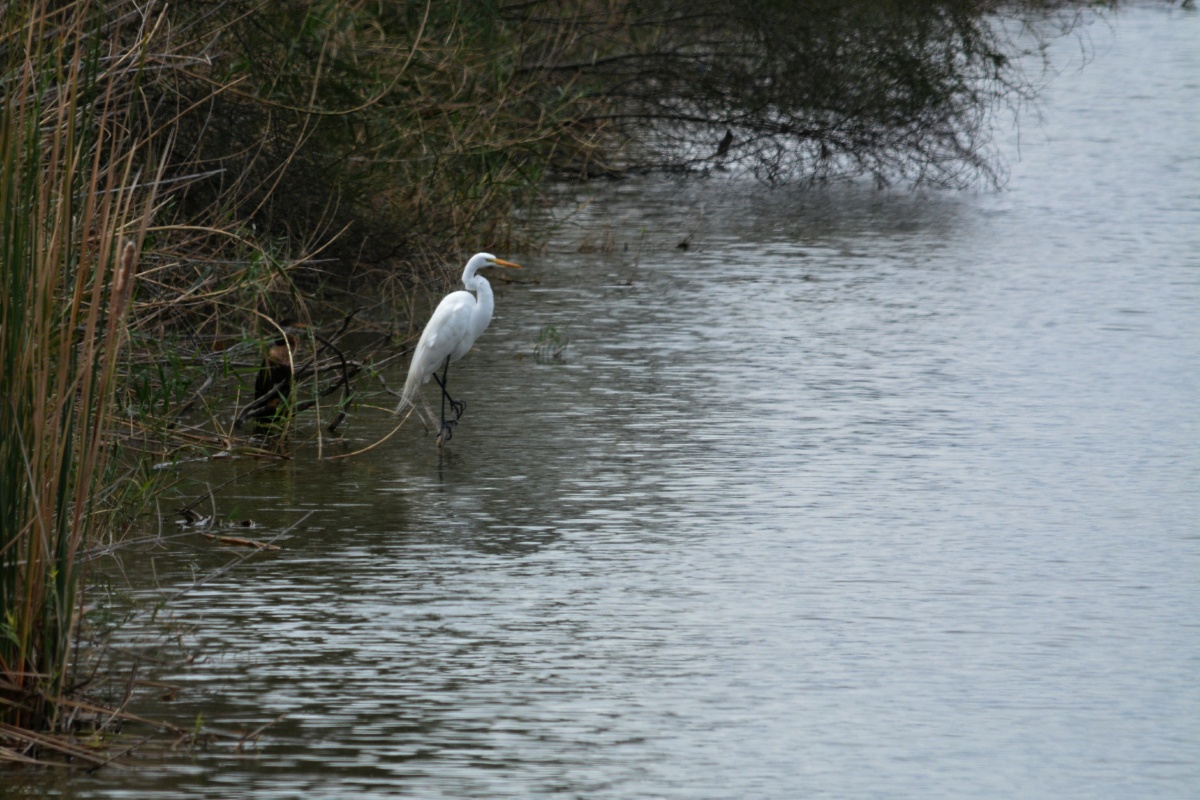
(551, 344)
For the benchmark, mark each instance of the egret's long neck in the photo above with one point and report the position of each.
(484, 299)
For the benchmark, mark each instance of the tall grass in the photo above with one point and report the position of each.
(72, 218)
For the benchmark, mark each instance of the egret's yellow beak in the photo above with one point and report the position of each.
(499, 262)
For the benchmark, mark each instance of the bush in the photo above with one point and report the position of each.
(402, 129)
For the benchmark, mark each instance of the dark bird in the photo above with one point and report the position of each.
(725, 144)
(273, 385)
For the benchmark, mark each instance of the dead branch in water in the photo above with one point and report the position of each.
(240, 542)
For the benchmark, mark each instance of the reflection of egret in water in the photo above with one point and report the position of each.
(457, 322)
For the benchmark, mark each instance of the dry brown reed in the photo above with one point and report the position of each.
(76, 193)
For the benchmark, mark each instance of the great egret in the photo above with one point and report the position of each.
(458, 321)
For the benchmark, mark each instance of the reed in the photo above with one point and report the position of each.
(76, 195)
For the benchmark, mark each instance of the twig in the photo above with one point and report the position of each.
(254, 734)
(221, 486)
(367, 449)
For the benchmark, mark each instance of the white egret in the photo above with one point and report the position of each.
(455, 325)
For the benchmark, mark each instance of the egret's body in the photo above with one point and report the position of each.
(455, 325)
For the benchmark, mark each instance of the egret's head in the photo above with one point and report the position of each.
(482, 261)
(491, 261)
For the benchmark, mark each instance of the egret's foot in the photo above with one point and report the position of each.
(447, 431)
(458, 407)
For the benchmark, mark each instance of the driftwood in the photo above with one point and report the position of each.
(240, 542)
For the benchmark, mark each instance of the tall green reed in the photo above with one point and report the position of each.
(72, 217)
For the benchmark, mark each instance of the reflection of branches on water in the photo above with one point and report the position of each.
(799, 91)
(95, 726)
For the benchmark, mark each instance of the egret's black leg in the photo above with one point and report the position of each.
(447, 430)
(457, 407)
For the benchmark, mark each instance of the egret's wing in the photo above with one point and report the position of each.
(446, 328)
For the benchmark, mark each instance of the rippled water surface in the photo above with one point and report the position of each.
(863, 494)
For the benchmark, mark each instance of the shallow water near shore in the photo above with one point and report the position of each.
(862, 494)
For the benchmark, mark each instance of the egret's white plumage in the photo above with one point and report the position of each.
(455, 325)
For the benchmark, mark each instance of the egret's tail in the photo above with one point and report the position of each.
(411, 385)
(408, 396)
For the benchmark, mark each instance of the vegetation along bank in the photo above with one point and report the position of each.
(191, 194)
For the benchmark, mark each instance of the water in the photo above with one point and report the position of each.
(864, 494)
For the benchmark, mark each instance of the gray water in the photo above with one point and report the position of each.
(864, 494)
